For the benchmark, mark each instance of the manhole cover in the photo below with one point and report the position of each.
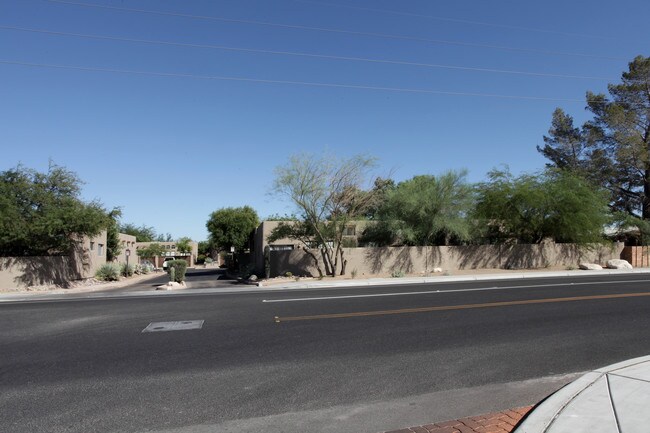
(183, 325)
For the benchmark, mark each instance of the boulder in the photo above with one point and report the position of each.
(252, 278)
(590, 267)
(618, 264)
(437, 270)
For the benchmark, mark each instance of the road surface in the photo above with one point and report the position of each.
(361, 359)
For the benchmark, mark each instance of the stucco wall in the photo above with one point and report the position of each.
(21, 272)
(415, 260)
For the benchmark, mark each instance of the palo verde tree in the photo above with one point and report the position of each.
(150, 251)
(43, 214)
(184, 245)
(328, 193)
(556, 205)
(232, 227)
(613, 148)
(425, 210)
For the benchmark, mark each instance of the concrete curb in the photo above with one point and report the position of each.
(448, 279)
(260, 288)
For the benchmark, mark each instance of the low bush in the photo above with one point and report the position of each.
(179, 266)
(108, 272)
(127, 270)
(397, 274)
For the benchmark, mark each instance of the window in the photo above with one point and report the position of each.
(92, 245)
(100, 249)
(350, 231)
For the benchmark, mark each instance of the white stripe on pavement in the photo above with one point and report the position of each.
(430, 292)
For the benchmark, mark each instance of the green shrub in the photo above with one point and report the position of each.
(142, 269)
(108, 272)
(288, 274)
(127, 271)
(179, 266)
(397, 274)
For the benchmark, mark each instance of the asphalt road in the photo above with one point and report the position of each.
(334, 360)
(196, 278)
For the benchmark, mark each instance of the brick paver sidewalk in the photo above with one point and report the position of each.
(498, 422)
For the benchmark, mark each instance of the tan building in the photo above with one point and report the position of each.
(127, 246)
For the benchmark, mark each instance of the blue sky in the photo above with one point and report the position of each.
(170, 149)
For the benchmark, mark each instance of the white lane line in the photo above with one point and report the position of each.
(430, 292)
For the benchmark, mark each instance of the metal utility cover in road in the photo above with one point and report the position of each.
(184, 325)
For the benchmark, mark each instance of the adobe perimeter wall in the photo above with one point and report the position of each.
(415, 260)
(22, 272)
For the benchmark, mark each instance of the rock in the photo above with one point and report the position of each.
(171, 285)
(437, 270)
(590, 267)
(619, 264)
(252, 278)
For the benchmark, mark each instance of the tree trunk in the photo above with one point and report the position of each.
(316, 262)
(646, 195)
(344, 262)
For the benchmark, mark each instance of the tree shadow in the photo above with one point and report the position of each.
(297, 262)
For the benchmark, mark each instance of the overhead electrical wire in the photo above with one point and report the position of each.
(452, 20)
(286, 82)
(332, 30)
(298, 54)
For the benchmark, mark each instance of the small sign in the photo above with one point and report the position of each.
(232, 249)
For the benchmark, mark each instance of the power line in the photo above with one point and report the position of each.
(338, 31)
(452, 20)
(299, 54)
(287, 82)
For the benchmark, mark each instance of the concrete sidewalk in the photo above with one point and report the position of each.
(102, 291)
(611, 399)
(510, 275)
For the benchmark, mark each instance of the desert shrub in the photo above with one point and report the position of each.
(179, 266)
(108, 272)
(397, 274)
(127, 270)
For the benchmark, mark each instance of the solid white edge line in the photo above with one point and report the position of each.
(429, 292)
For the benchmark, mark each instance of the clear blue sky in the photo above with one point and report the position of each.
(170, 149)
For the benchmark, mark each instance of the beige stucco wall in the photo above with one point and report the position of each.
(21, 272)
(416, 260)
(126, 242)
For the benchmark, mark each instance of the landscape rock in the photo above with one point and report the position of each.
(252, 278)
(171, 285)
(590, 267)
(618, 264)
(437, 270)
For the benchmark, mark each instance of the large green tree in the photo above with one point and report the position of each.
(425, 210)
(613, 148)
(232, 227)
(555, 205)
(142, 233)
(43, 214)
(328, 193)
